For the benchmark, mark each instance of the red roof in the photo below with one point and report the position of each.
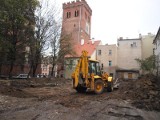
(89, 46)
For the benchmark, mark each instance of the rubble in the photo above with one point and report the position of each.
(144, 92)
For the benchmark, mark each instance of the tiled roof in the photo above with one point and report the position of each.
(89, 47)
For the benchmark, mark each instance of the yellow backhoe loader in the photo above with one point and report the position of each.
(88, 75)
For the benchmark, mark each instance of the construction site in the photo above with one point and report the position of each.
(49, 99)
(53, 69)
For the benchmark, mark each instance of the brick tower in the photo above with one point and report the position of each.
(77, 20)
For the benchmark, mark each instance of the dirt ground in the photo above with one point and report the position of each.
(49, 99)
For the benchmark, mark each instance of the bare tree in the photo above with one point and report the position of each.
(39, 43)
(61, 45)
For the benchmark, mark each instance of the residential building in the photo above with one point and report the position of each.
(107, 56)
(128, 51)
(45, 69)
(156, 43)
(147, 45)
(77, 20)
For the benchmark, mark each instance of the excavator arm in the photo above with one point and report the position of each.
(81, 70)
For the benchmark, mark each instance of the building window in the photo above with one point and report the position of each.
(111, 74)
(110, 52)
(102, 65)
(76, 13)
(87, 27)
(110, 63)
(71, 62)
(134, 44)
(85, 16)
(68, 14)
(99, 52)
(88, 19)
(158, 42)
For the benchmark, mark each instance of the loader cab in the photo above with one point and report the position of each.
(94, 67)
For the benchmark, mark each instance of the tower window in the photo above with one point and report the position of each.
(76, 13)
(68, 14)
(88, 19)
(87, 28)
(85, 15)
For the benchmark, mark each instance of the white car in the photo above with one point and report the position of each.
(23, 76)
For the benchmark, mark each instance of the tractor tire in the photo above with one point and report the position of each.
(98, 86)
(81, 89)
(110, 86)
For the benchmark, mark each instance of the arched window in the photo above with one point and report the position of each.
(76, 13)
(68, 14)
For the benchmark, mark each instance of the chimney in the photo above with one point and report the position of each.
(121, 38)
(149, 34)
(92, 40)
(82, 41)
(140, 36)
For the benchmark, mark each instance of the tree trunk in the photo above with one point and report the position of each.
(11, 68)
(0, 69)
(53, 65)
(34, 70)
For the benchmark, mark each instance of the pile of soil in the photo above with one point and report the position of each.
(144, 92)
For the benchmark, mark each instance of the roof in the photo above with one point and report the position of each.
(158, 34)
(129, 39)
(93, 60)
(89, 46)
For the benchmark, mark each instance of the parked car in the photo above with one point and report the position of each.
(40, 76)
(23, 76)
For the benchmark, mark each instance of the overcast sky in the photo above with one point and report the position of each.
(112, 19)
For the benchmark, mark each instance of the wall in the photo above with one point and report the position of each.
(127, 53)
(18, 69)
(157, 52)
(125, 75)
(105, 57)
(147, 45)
